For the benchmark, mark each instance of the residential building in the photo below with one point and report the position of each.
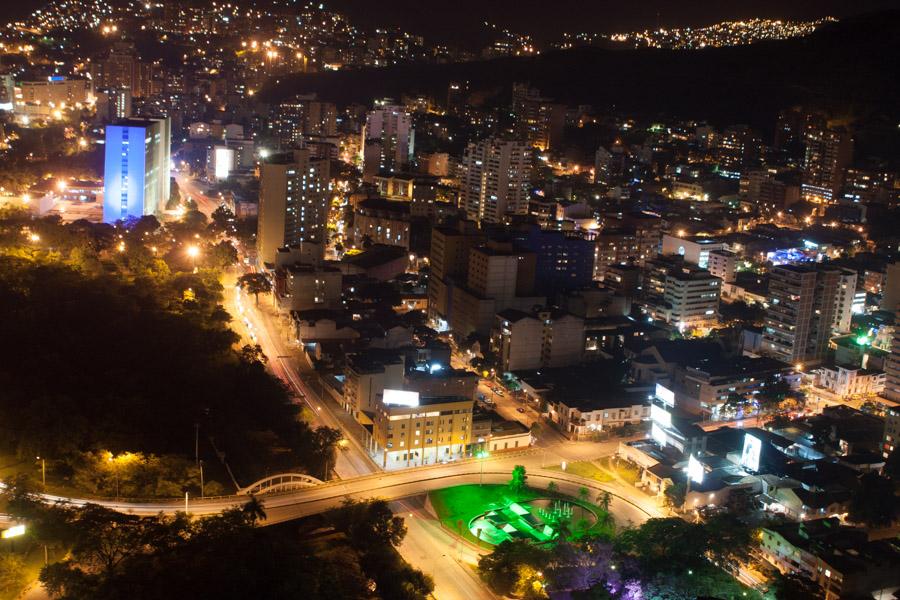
(563, 261)
(136, 170)
(410, 430)
(544, 338)
(293, 202)
(844, 300)
(367, 374)
(891, 431)
(305, 287)
(703, 387)
(828, 152)
(381, 221)
(722, 264)
(57, 92)
(538, 120)
(800, 316)
(840, 559)
(892, 369)
(690, 298)
(301, 116)
(848, 382)
(494, 180)
(450, 248)
(388, 140)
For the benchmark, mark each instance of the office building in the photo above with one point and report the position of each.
(294, 195)
(563, 261)
(705, 385)
(801, 312)
(136, 179)
(46, 98)
(694, 250)
(494, 180)
(691, 298)
(827, 153)
(388, 140)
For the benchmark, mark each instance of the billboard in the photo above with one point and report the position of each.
(665, 394)
(400, 398)
(695, 469)
(660, 415)
(752, 450)
(658, 435)
(224, 158)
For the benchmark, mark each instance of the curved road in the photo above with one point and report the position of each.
(628, 506)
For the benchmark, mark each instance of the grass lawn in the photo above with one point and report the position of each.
(462, 503)
(585, 469)
(624, 469)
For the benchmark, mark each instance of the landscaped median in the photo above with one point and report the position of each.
(495, 513)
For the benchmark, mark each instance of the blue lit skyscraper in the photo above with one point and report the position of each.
(136, 174)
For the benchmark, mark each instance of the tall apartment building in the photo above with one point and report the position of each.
(302, 115)
(122, 68)
(680, 293)
(293, 202)
(614, 246)
(494, 180)
(892, 370)
(544, 338)
(563, 261)
(827, 154)
(388, 140)
(801, 312)
(450, 247)
(539, 121)
(738, 148)
(136, 168)
(843, 301)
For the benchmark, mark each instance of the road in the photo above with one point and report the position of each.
(629, 504)
(259, 323)
(436, 552)
(190, 187)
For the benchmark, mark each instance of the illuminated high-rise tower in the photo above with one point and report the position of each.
(136, 173)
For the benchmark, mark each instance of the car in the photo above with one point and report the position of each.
(499, 392)
(520, 409)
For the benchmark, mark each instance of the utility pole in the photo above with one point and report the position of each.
(196, 443)
(201, 479)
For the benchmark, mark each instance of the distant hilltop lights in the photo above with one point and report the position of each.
(727, 33)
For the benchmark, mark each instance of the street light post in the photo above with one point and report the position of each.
(481, 455)
(201, 480)
(43, 471)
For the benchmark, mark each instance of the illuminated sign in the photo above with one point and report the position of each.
(695, 469)
(665, 394)
(400, 398)
(752, 450)
(658, 435)
(660, 415)
(224, 162)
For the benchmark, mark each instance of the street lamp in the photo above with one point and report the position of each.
(481, 455)
(43, 471)
(193, 252)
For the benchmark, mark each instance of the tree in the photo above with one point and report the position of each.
(873, 502)
(500, 569)
(222, 255)
(256, 284)
(222, 217)
(12, 574)
(793, 586)
(174, 196)
(603, 500)
(368, 524)
(518, 481)
(552, 488)
(669, 544)
(675, 494)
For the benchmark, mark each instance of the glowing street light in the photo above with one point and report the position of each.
(34, 237)
(481, 455)
(14, 531)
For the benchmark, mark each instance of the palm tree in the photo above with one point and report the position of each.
(256, 284)
(253, 510)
